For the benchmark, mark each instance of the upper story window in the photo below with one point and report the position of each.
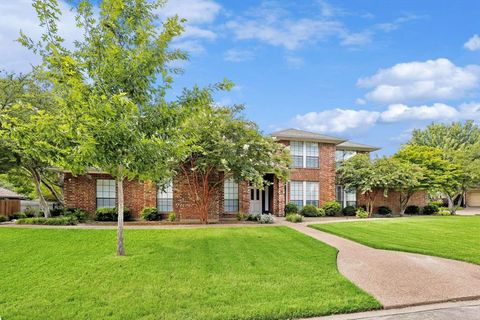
(342, 155)
(230, 195)
(165, 198)
(106, 193)
(304, 154)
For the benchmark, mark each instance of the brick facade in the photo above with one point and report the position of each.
(392, 200)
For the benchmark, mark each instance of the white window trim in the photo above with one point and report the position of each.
(304, 153)
(304, 191)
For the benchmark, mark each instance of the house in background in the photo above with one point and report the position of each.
(9, 202)
(315, 158)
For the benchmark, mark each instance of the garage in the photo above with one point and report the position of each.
(473, 198)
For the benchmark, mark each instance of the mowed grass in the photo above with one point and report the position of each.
(449, 237)
(214, 273)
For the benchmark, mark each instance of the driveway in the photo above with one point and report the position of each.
(398, 279)
(469, 211)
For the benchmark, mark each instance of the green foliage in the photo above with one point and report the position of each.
(241, 216)
(294, 217)
(309, 210)
(79, 214)
(17, 215)
(150, 214)
(430, 209)
(3, 219)
(412, 209)
(321, 212)
(332, 208)
(57, 221)
(443, 212)
(384, 210)
(437, 203)
(361, 213)
(110, 214)
(349, 211)
(291, 208)
(172, 217)
(454, 136)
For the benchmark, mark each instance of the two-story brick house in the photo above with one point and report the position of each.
(312, 181)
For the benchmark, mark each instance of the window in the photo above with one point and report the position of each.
(311, 196)
(230, 195)
(165, 198)
(106, 195)
(311, 155)
(342, 155)
(304, 192)
(296, 193)
(296, 148)
(346, 197)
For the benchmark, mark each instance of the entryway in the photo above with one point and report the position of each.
(261, 200)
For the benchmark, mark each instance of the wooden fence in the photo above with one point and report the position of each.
(9, 206)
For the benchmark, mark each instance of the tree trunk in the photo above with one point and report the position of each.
(451, 204)
(37, 179)
(120, 205)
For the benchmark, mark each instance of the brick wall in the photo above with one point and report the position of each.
(80, 192)
(325, 174)
(392, 200)
(278, 197)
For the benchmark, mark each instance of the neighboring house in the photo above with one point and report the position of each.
(9, 201)
(472, 198)
(315, 158)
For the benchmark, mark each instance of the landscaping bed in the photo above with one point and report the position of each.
(451, 237)
(208, 273)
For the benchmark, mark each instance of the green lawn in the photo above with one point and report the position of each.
(215, 273)
(449, 237)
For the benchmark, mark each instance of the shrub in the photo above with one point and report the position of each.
(361, 213)
(57, 221)
(294, 217)
(110, 214)
(291, 208)
(172, 217)
(384, 210)
(80, 214)
(430, 209)
(438, 203)
(266, 218)
(349, 211)
(17, 215)
(57, 211)
(309, 211)
(3, 219)
(332, 208)
(253, 217)
(412, 210)
(443, 212)
(31, 212)
(242, 216)
(321, 212)
(150, 214)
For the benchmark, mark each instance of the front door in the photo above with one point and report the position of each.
(255, 200)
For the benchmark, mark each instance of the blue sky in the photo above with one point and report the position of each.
(369, 70)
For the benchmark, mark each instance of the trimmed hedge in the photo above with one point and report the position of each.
(57, 221)
(412, 210)
(430, 209)
(3, 219)
(332, 208)
(17, 215)
(384, 210)
(291, 208)
(349, 211)
(309, 210)
(150, 214)
(294, 217)
(361, 213)
(110, 214)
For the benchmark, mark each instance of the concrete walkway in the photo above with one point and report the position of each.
(464, 310)
(469, 211)
(399, 279)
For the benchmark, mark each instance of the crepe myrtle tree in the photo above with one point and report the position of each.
(110, 87)
(367, 176)
(224, 146)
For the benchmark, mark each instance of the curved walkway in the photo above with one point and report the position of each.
(398, 279)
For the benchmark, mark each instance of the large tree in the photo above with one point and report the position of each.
(367, 176)
(225, 146)
(111, 89)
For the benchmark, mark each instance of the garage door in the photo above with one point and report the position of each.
(473, 198)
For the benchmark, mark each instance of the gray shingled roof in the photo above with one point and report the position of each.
(350, 145)
(305, 135)
(9, 194)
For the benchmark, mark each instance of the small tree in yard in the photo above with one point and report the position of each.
(224, 146)
(367, 176)
(406, 180)
(111, 89)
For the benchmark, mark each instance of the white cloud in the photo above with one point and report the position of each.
(20, 15)
(418, 81)
(336, 120)
(356, 39)
(341, 120)
(401, 112)
(473, 44)
(294, 62)
(236, 55)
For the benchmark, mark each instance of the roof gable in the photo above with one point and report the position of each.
(296, 134)
(9, 194)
